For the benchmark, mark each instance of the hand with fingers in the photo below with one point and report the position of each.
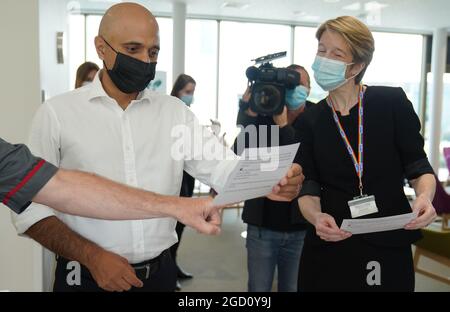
(201, 215)
(289, 187)
(327, 229)
(425, 213)
(112, 272)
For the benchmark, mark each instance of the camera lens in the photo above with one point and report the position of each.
(267, 98)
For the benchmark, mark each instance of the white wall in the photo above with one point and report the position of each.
(20, 96)
(53, 18)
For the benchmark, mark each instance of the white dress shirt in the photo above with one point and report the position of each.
(87, 130)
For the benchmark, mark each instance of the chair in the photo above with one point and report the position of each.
(447, 157)
(436, 238)
(447, 160)
(441, 203)
(434, 245)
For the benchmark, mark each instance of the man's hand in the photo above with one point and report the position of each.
(425, 213)
(200, 214)
(112, 272)
(289, 187)
(282, 119)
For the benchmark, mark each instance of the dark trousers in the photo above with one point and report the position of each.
(173, 250)
(344, 266)
(163, 279)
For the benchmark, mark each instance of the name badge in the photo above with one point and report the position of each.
(363, 206)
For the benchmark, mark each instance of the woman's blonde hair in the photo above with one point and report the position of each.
(358, 37)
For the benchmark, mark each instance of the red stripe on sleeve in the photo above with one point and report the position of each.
(23, 182)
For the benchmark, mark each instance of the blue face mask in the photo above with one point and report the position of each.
(330, 74)
(187, 99)
(296, 98)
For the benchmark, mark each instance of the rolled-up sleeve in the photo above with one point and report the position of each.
(44, 142)
(22, 175)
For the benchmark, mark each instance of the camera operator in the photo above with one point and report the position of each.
(275, 230)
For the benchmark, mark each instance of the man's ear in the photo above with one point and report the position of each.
(100, 46)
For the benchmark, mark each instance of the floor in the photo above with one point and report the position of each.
(218, 263)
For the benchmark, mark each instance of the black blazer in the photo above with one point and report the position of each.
(393, 151)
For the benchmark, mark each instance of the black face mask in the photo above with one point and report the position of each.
(129, 74)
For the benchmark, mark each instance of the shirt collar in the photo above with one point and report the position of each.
(97, 90)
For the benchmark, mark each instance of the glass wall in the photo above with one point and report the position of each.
(201, 64)
(239, 44)
(445, 127)
(220, 74)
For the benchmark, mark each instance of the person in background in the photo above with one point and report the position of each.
(183, 88)
(275, 230)
(359, 142)
(86, 74)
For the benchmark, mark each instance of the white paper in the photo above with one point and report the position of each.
(361, 226)
(256, 173)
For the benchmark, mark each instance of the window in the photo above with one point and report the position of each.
(166, 54)
(397, 67)
(92, 25)
(76, 45)
(305, 50)
(201, 64)
(239, 44)
(445, 126)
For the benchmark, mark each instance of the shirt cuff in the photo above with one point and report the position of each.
(20, 197)
(311, 188)
(35, 213)
(418, 168)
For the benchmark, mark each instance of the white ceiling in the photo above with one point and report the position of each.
(404, 15)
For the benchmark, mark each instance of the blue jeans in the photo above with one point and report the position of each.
(267, 250)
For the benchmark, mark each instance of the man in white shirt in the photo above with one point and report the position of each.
(118, 129)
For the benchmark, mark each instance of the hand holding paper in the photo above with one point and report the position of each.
(261, 171)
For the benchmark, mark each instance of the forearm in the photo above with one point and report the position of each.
(425, 185)
(92, 196)
(54, 235)
(310, 207)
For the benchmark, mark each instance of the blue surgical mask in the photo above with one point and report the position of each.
(330, 74)
(187, 99)
(296, 98)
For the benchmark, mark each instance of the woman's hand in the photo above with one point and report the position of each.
(327, 229)
(425, 213)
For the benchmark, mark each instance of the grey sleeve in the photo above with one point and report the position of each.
(22, 175)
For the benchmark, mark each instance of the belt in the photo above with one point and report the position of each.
(147, 268)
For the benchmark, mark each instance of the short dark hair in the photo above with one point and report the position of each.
(299, 67)
(180, 83)
(83, 71)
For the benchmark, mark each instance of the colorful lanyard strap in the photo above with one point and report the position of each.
(358, 162)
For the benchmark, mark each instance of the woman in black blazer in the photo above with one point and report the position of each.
(360, 140)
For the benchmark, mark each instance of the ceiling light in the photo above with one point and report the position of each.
(235, 5)
(353, 7)
(374, 5)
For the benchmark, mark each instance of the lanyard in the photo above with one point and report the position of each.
(358, 162)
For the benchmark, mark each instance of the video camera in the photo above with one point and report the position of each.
(269, 84)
